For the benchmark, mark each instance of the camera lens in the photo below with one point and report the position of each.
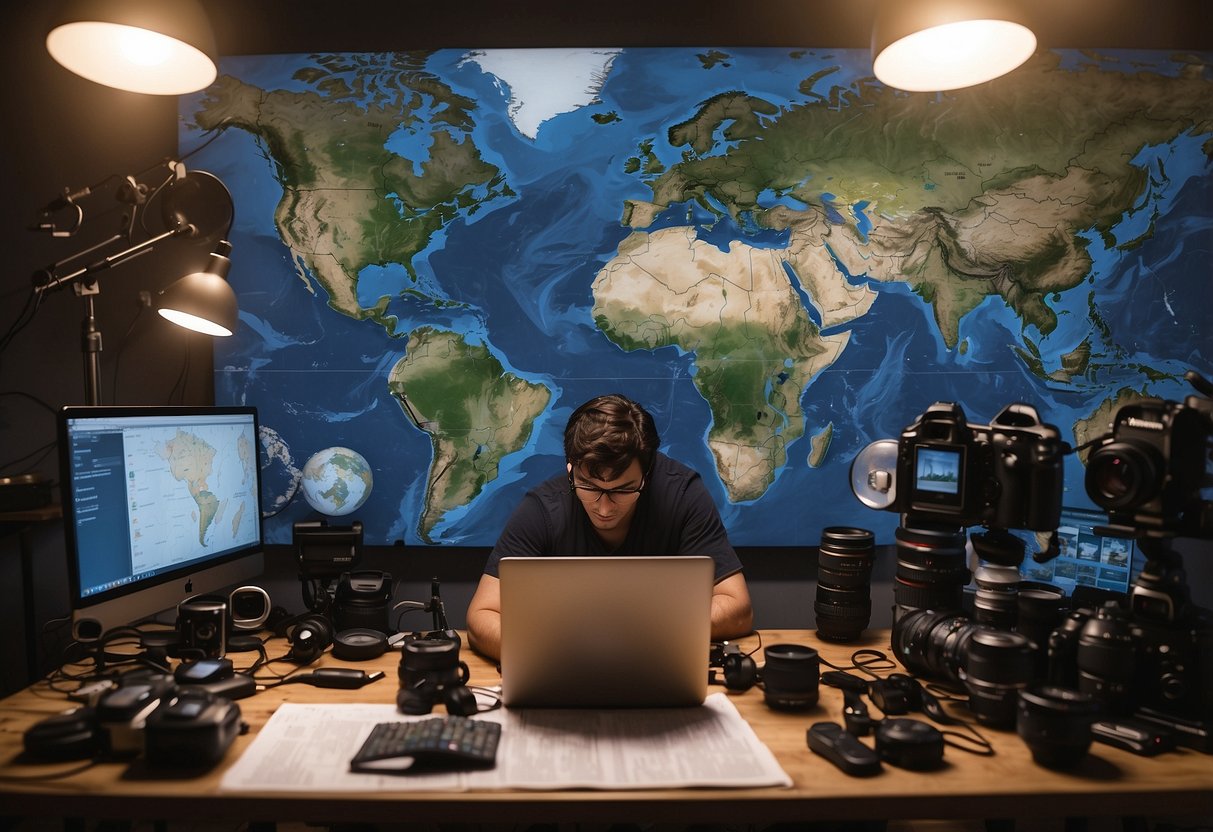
(790, 675)
(1041, 610)
(996, 666)
(1106, 659)
(931, 572)
(996, 602)
(1055, 723)
(1123, 474)
(932, 643)
(843, 604)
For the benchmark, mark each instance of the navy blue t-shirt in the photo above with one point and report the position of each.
(675, 515)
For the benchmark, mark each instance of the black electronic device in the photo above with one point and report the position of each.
(430, 671)
(441, 743)
(68, 736)
(790, 676)
(325, 551)
(363, 601)
(202, 627)
(1134, 735)
(1149, 472)
(310, 635)
(1005, 475)
(203, 671)
(343, 678)
(248, 608)
(889, 697)
(192, 729)
(843, 749)
(854, 710)
(122, 712)
(738, 670)
(909, 743)
(236, 686)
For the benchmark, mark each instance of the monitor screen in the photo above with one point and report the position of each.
(1085, 558)
(160, 503)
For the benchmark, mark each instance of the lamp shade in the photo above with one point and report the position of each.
(163, 47)
(203, 301)
(932, 45)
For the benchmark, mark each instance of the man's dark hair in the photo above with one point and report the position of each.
(606, 433)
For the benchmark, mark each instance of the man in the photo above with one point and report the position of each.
(617, 496)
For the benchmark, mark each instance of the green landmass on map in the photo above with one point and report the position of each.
(191, 460)
(348, 202)
(967, 202)
(755, 348)
(474, 411)
(819, 445)
(984, 196)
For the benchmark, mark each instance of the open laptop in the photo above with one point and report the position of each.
(605, 632)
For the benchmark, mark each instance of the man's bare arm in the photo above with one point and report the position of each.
(484, 618)
(732, 615)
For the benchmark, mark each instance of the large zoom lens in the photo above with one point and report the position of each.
(993, 665)
(933, 644)
(843, 605)
(931, 570)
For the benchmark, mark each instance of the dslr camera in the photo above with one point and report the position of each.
(1148, 472)
(1151, 657)
(1006, 475)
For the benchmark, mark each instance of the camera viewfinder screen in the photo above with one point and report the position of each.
(937, 471)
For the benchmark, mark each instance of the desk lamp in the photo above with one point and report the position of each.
(163, 47)
(195, 205)
(935, 45)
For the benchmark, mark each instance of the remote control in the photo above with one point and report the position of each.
(842, 749)
(1133, 735)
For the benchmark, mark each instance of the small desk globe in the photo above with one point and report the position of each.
(336, 481)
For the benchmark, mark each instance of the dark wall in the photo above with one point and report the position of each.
(62, 131)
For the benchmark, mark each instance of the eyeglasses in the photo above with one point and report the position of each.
(590, 494)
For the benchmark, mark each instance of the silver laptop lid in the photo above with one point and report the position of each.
(605, 632)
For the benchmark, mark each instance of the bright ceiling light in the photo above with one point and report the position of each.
(146, 46)
(932, 45)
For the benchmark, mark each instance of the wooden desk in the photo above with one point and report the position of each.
(1008, 785)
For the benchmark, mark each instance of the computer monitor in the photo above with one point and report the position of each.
(1087, 559)
(159, 504)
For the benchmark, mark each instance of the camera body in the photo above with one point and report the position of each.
(1007, 474)
(1136, 663)
(1148, 472)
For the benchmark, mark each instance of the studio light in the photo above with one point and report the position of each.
(203, 301)
(163, 47)
(196, 209)
(933, 45)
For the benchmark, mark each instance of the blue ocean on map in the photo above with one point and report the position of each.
(515, 275)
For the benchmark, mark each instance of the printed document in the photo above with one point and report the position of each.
(308, 748)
